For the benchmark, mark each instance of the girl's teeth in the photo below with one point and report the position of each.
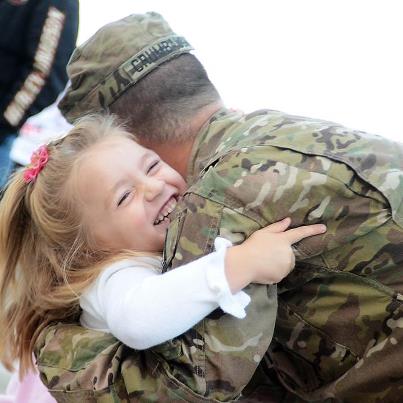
(170, 206)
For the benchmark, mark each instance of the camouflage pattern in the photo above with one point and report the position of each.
(114, 59)
(339, 325)
(339, 329)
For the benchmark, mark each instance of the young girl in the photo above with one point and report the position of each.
(81, 231)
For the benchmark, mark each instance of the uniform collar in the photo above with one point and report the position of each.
(208, 139)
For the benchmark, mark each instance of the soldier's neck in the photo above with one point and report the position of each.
(177, 155)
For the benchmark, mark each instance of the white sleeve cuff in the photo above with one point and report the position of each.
(234, 304)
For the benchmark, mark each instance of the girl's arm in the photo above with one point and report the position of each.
(143, 308)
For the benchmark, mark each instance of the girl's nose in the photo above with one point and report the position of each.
(152, 188)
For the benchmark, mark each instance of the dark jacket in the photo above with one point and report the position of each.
(37, 38)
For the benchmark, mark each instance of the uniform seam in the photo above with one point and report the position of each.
(213, 230)
(339, 160)
(250, 215)
(224, 205)
(346, 163)
(172, 380)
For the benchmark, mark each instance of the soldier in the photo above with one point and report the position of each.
(339, 326)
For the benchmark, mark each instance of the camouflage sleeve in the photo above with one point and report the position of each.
(308, 188)
(81, 365)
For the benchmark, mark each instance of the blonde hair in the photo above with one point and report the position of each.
(47, 256)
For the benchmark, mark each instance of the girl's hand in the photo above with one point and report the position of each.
(266, 257)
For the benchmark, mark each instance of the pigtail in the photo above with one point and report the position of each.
(14, 222)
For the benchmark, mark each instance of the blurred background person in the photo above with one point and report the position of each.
(36, 41)
(36, 131)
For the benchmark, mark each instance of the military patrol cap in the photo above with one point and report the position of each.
(115, 58)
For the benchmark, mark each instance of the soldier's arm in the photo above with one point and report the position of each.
(267, 184)
(82, 365)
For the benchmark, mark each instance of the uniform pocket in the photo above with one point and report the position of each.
(326, 332)
(192, 232)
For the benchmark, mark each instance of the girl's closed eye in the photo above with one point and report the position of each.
(154, 165)
(124, 197)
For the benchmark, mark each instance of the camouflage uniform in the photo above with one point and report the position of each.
(339, 324)
(339, 328)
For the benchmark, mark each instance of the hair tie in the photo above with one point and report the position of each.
(39, 159)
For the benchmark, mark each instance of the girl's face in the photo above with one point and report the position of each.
(127, 192)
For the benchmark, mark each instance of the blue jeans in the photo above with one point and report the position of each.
(5, 163)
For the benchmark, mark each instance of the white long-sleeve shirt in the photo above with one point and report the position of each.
(142, 307)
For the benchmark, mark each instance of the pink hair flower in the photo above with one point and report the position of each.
(39, 159)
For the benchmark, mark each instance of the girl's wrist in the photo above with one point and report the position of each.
(237, 272)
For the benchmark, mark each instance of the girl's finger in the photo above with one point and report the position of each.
(279, 226)
(297, 234)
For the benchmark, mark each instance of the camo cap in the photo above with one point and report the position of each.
(115, 58)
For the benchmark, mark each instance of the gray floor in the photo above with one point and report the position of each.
(4, 377)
